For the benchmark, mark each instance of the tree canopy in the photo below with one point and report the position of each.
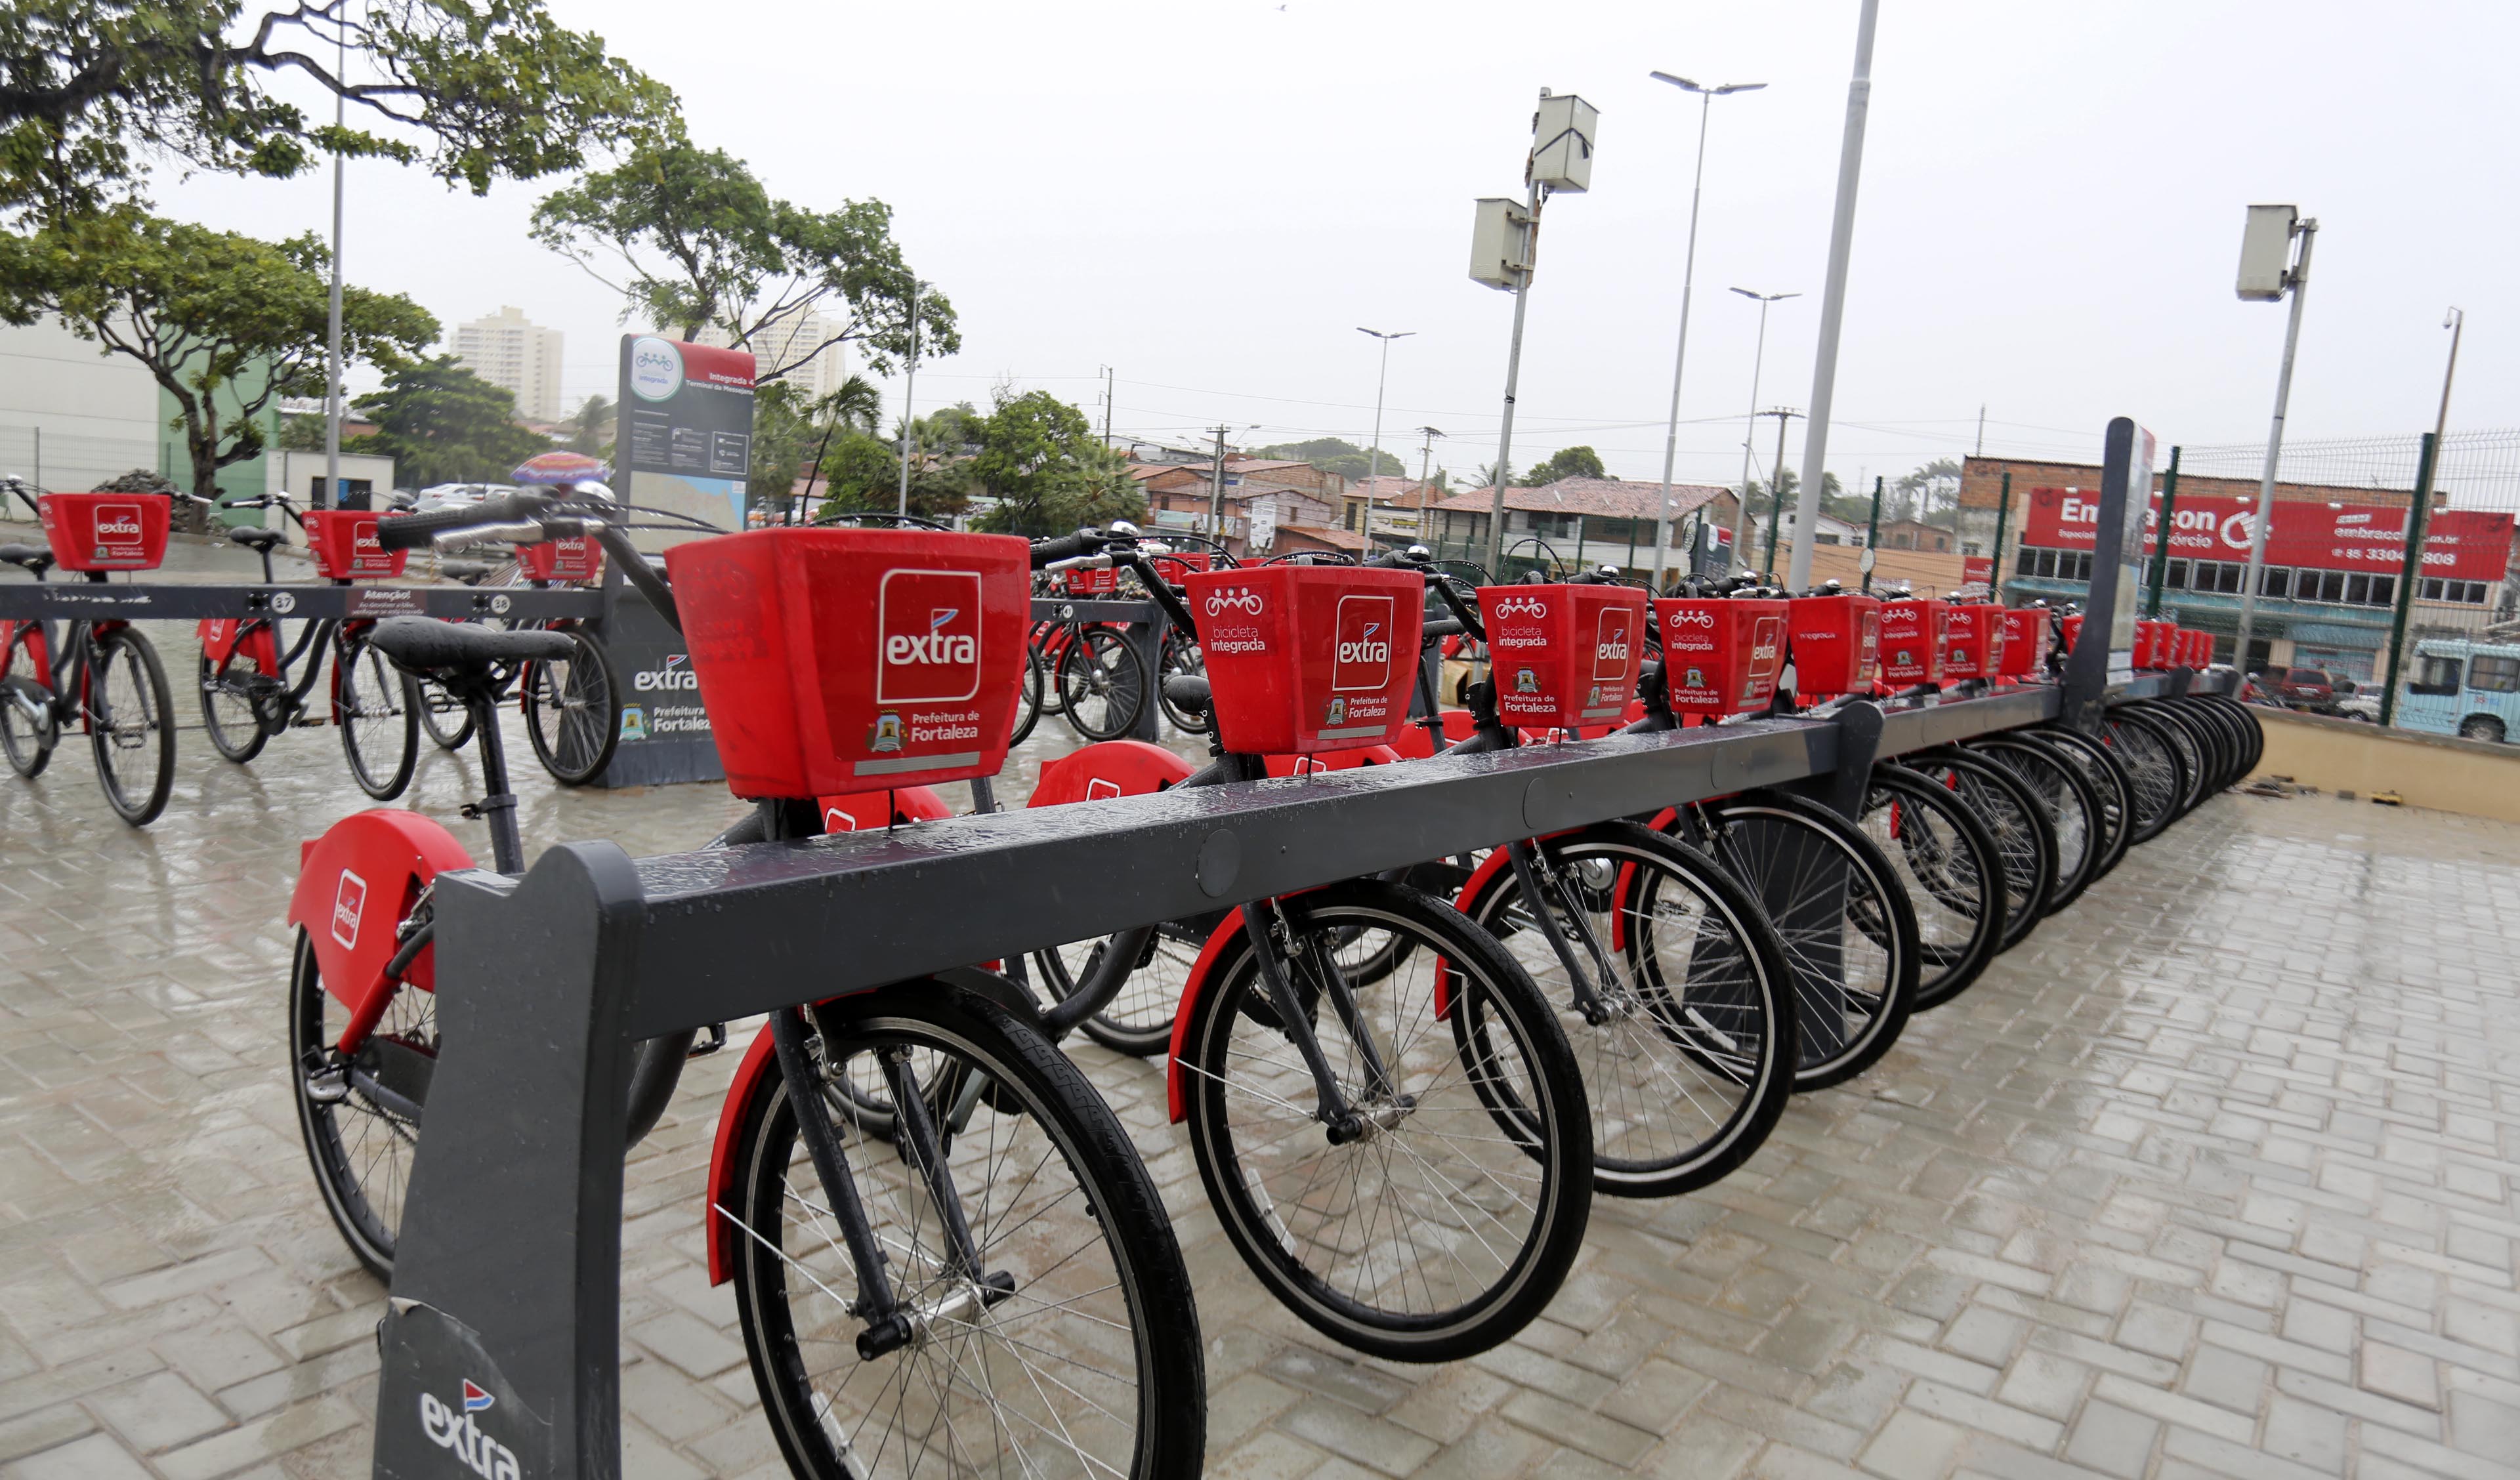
(442, 424)
(1040, 459)
(692, 239)
(1337, 455)
(1566, 462)
(225, 323)
(89, 89)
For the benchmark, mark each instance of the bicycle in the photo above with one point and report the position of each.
(106, 676)
(834, 1199)
(247, 695)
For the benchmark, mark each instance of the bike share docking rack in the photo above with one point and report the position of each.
(1142, 625)
(508, 1275)
(119, 602)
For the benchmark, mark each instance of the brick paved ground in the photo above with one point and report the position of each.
(2209, 1177)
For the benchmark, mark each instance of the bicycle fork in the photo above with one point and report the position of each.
(1273, 942)
(1544, 889)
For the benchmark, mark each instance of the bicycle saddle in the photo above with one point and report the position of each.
(257, 539)
(466, 571)
(34, 557)
(1190, 690)
(460, 650)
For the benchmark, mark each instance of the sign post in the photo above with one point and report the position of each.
(2104, 652)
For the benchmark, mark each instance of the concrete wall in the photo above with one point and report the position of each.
(2346, 755)
(97, 412)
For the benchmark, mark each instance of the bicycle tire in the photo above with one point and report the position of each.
(25, 739)
(218, 684)
(2065, 795)
(2153, 764)
(573, 710)
(1845, 1016)
(2253, 735)
(1551, 1151)
(1139, 1019)
(154, 729)
(433, 718)
(1028, 703)
(2110, 781)
(1701, 1025)
(2022, 833)
(1035, 1096)
(2233, 734)
(363, 1164)
(2204, 758)
(369, 688)
(1946, 860)
(1103, 666)
(1183, 656)
(1039, 645)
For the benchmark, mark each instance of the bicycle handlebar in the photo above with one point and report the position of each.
(1065, 546)
(407, 531)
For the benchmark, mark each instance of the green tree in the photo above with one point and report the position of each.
(302, 433)
(1931, 494)
(90, 89)
(590, 426)
(1040, 459)
(226, 325)
(1566, 462)
(1336, 454)
(690, 237)
(442, 424)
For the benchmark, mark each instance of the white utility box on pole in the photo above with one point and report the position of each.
(2266, 252)
(1501, 244)
(1561, 152)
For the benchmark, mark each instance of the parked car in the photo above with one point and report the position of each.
(2292, 688)
(455, 496)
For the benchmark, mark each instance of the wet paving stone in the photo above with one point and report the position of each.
(2210, 1176)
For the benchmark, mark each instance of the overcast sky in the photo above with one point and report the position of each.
(1211, 195)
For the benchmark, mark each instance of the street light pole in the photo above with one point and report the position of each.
(2297, 281)
(1832, 302)
(1425, 461)
(1512, 381)
(1687, 288)
(909, 386)
(332, 308)
(1741, 514)
(1777, 488)
(1373, 456)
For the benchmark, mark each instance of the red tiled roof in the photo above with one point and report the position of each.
(1593, 498)
(1344, 539)
(1398, 493)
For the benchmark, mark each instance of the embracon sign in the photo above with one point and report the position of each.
(2461, 543)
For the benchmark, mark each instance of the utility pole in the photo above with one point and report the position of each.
(2003, 517)
(2169, 527)
(1106, 404)
(1981, 431)
(1758, 359)
(1374, 454)
(909, 386)
(2298, 280)
(1833, 303)
(332, 309)
(1216, 489)
(1512, 381)
(2418, 517)
(1872, 538)
(1777, 489)
(1425, 459)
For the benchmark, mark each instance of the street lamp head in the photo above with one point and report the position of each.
(1682, 83)
(1380, 335)
(1739, 87)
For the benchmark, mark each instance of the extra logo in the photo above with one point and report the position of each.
(118, 523)
(1614, 646)
(1521, 605)
(458, 1429)
(1098, 788)
(1362, 659)
(363, 537)
(350, 902)
(928, 624)
(1236, 599)
(676, 674)
(1767, 646)
(656, 368)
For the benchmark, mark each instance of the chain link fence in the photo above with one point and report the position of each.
(2332, 601)
(67, 463)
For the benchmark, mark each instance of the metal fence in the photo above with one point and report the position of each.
(2340, 608)
(59, 461)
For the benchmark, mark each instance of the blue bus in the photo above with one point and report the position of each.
(2470, 689)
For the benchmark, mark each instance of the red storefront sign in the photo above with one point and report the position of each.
(2459, 544)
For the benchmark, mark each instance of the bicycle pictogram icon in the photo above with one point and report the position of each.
(1235, 599)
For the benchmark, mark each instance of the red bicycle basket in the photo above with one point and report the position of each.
(567, 561)
(2026, 639)
(1836, 644)
(2152, 643)
(1177, 566)
(344, 543)
(1720, 657)
(1973, 635)
(105, 531)
(2073, 630)
(1912, 640)
(1308, 659)
(1564, 656)
(1092, 582)
(842, 660)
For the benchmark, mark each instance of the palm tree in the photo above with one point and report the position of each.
(856, 406)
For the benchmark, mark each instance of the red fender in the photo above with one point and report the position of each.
(354, 885)
(761, 1059)
(39, 657)
(1174, 1079)
(859, 810)
(1334, 760)
(1110, 768)
(225, 637)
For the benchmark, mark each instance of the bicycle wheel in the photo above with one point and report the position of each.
(28, 729)
(1687, 1046)
(1048, 644)
(377, 706)
(1139, 1019)
(1028, 708)
(2234, 731)
(2194, 748)
(1088, 1367)
(2065, 796)
(2110, 783)
(227, 707)
(360, 1116)
(1946, 861)
(2153, 763)
(1183, 656)
(447, 719)
(2253, 740)
(1432, 1229)
(2221, 746)
(1101, 684)
(2024, 839)
(132, 726)
(1849, 931)
(574, 712)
